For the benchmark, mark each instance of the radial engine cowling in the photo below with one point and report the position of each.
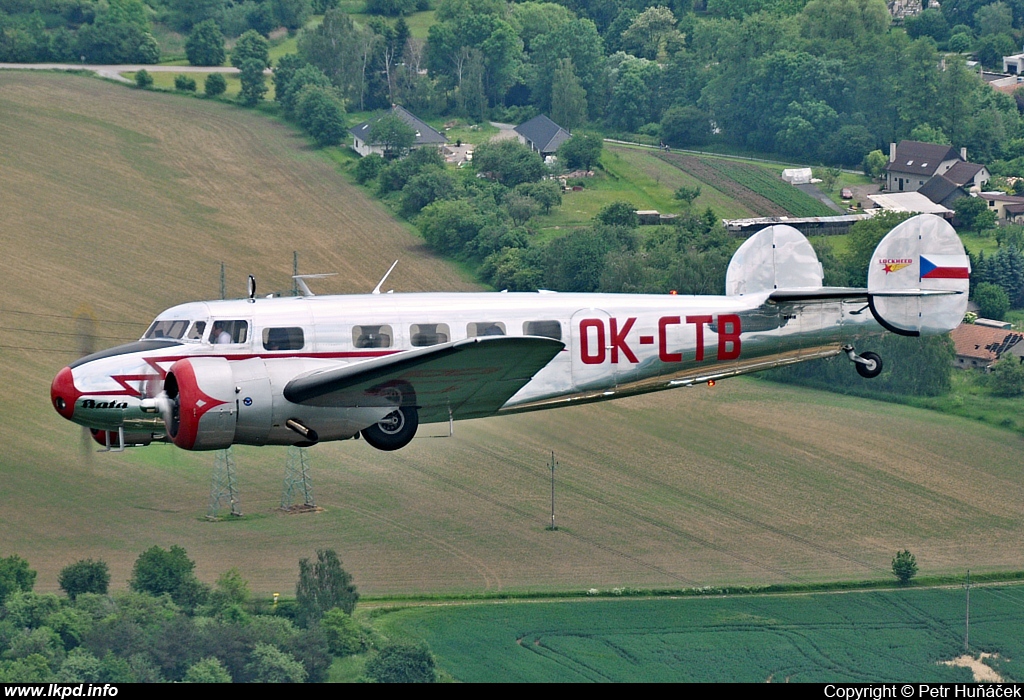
(201, 392)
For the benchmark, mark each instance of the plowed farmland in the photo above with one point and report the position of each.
(120, 203)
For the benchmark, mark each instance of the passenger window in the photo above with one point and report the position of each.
(424, 334)
(198, 328)
(283, 339)
(166, 329)
(477, 329)
(372, 336)
(229, 332)
(545, 329)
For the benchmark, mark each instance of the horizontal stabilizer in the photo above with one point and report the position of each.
(919, 278)
(470, 378)
(821, 294)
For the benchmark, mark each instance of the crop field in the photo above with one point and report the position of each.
(636, 176)
(119, 203)
(883, 636)
(647, 166)
(757, 187)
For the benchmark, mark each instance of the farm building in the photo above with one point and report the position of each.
(980, 346)
(807, 225)
(542, 135)
(1005, 206)
(797, 176)
(914, 163)
(914, 202)
(425, 134)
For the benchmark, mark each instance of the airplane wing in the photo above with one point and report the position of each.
(471, 378)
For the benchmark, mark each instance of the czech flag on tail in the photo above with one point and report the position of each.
(945, 267)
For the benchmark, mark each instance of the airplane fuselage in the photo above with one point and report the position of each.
(615, 345)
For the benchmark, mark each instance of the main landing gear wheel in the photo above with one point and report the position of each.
(395, 430)
(871, 367)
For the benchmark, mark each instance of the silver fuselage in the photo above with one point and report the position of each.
(615, 345)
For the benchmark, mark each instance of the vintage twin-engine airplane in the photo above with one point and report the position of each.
(298, 370)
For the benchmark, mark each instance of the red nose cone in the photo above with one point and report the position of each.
(63, 393)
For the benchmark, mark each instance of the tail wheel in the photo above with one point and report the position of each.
(395, 431)
(871, 368)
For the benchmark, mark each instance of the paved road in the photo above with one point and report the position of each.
(114, 72)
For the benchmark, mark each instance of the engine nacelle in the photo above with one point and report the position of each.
(203, 403)
(211, 403)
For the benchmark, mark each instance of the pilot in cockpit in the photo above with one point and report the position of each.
(219, 334)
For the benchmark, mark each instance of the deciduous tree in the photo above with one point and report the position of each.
(568, 98)
(85, 576)
(205, 45)
(323, 585)
(509, 162)
(251, 46)
(254, 84)
(15, 576)
(582, 151)
(158, 571)
(393, 135)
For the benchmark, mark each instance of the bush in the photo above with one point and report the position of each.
(85, 576)
(1007, 378)
(344, 635)
(215, 85)
(402, 663)
(619, 214)
(369, 168)
(143, 79)
(992, 300)
(184, 83)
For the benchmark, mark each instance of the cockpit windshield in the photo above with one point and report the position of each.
(161, 330)
(175, 330)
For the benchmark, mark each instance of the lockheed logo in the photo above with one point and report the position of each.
(895, 264)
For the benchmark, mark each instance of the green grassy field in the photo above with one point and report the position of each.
(123, 202)
(165, 81)
(883, 636)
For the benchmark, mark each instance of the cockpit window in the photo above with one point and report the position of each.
(229, 332)
(196, 332)
(166, 329)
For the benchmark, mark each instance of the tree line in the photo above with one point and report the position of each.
(816, 80)
(169, 626)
